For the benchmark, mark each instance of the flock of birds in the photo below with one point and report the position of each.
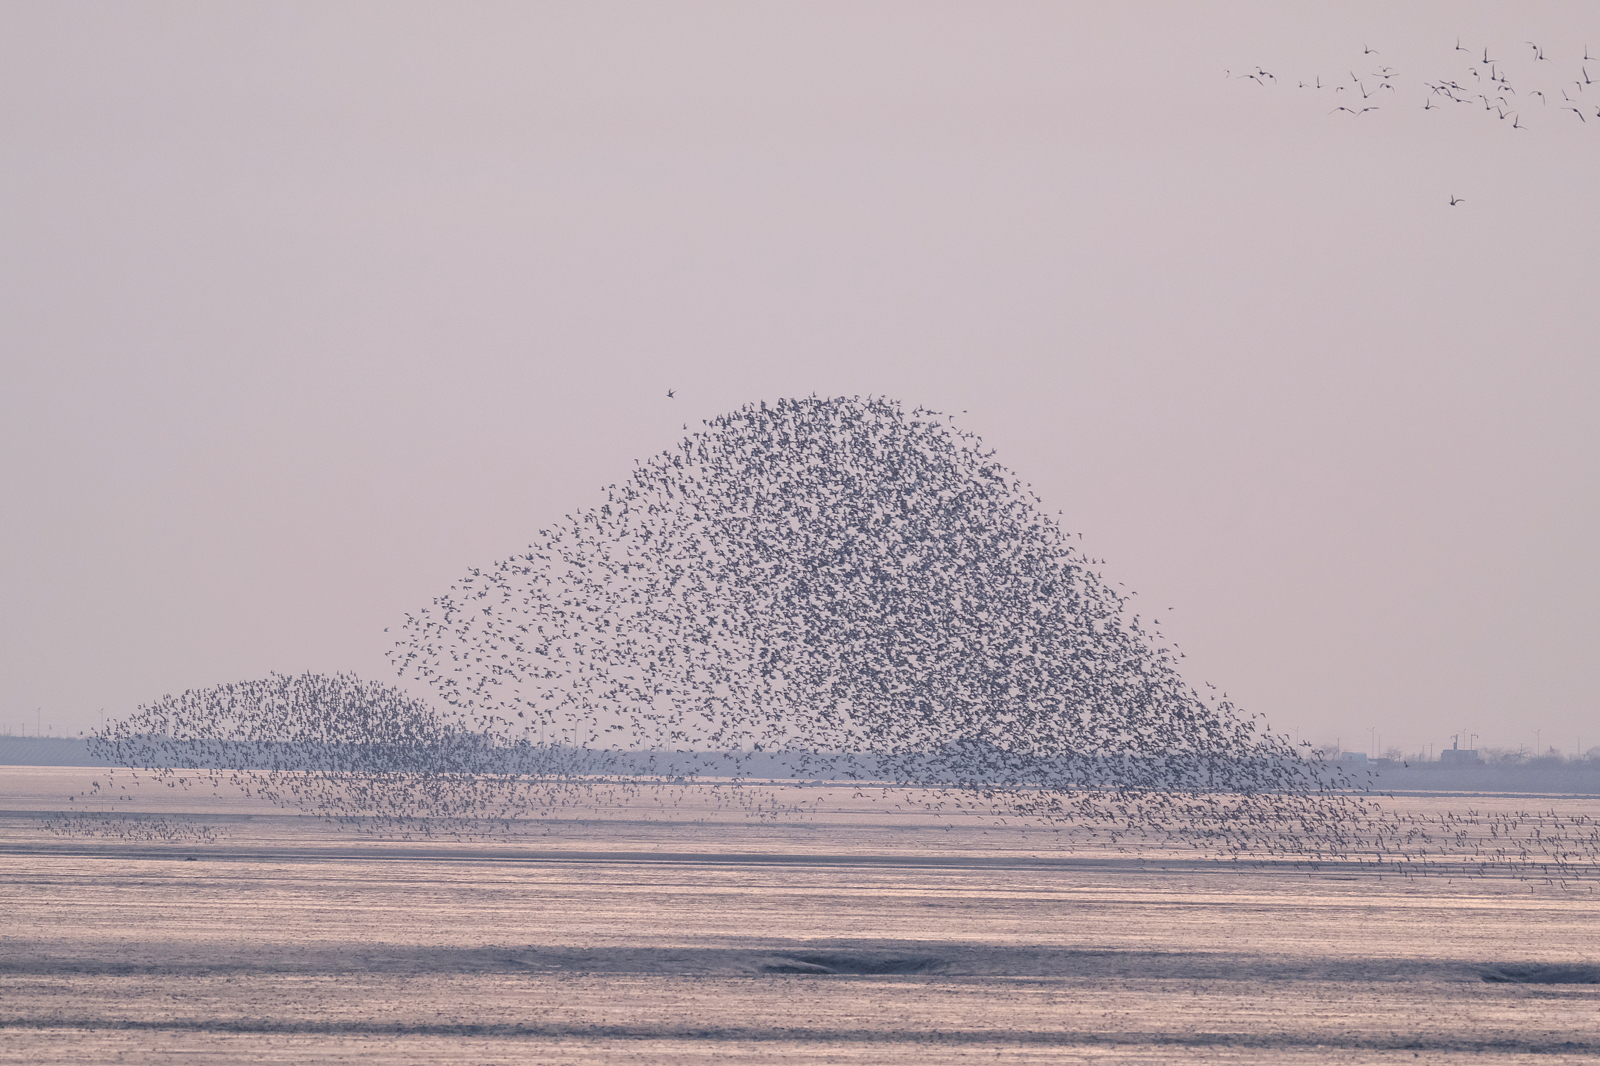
(359, 754)
(1520, 86)
(815, 590)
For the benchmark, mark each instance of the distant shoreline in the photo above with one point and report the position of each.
(1419, 780)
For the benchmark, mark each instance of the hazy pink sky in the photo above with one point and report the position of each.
(306, 309)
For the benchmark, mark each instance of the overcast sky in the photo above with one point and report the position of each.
(306, 309)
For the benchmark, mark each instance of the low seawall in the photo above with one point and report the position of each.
(47, 751)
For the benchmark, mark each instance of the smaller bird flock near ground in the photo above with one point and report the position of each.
(1522, 86)
(816, 590)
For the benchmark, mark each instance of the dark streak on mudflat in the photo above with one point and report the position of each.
(444, 852)
(1543, 974)
(758, 957)
(1532, 1044)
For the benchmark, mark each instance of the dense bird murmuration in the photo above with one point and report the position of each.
(866, 592)
(360, 754)
(817, 590)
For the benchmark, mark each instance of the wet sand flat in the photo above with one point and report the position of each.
(615, 939)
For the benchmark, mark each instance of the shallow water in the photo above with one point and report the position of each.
(851, 937)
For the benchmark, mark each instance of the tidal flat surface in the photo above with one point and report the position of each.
(857, 934)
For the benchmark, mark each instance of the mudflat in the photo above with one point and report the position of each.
(858, 933)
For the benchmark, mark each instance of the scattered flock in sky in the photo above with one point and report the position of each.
(817, 590)
(1524, 86)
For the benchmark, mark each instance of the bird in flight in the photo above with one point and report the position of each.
(1454, 201)
(669, 393)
